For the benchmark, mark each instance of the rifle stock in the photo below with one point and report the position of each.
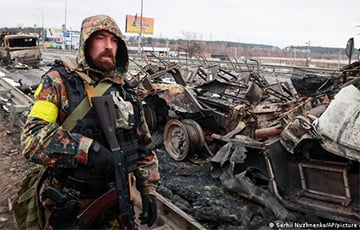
(105, 201)
(106, 113)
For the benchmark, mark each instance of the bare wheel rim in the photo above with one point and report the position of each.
(176, 140)
(196, 134)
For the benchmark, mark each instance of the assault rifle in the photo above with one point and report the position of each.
(106, 113)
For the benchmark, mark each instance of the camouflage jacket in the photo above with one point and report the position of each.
(46, 142)
(40, 138)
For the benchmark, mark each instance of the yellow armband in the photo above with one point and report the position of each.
(38, 89)
(44, 110)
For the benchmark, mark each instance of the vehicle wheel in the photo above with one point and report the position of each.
(150, 117)
(176, 139)
(196, 134)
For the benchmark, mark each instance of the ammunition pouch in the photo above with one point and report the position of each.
(88, 188)
(125, 117)
(67, 206)
(91, 185)
(82, 179)
(129, 144)
(131, 155)
(64, 215)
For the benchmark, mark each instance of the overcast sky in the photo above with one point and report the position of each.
(326, 23)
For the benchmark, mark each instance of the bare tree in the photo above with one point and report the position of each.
(192, 47)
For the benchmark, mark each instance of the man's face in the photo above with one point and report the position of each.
(102, 48)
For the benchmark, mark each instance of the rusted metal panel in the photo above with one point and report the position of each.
(177, 97)
(324, 187)
(322, 180)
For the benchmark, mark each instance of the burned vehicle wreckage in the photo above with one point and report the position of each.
(287, 145)
(20, 48)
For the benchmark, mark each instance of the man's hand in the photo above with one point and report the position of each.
(100, 159)
(149, 210)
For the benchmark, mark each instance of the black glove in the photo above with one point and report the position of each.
(149, 210)
(100, 159)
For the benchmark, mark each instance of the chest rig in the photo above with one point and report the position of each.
(82, 178)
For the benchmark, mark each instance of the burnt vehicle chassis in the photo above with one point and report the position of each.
(258, 137)
(311, 166)
(307, 169)
(188, 114)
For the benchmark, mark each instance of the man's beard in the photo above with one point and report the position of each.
(105, 65)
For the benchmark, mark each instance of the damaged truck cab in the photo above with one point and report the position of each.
(23, 48)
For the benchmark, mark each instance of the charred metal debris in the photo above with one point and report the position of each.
(288, 141)
(20, 50)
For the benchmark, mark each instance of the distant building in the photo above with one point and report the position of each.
(158, 51)
(221, 57)
(57, 39)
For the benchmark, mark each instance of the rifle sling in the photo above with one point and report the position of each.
(83, 108)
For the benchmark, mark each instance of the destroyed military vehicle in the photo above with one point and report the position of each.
(211, 101)
(20, 48)
(285, 146)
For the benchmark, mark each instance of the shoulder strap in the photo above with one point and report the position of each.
(83, 108)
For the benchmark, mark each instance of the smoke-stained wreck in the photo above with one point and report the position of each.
(313, 163)
(20, 50)
(288, 145)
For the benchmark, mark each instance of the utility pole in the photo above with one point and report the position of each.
(140, 26)
(307, 54)
(65, 14)
(42, 29)
(64, 28)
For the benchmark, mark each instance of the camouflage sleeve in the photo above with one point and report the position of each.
(46, 142)
(147, 173)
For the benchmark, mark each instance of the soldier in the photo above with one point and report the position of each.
(75, 152)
